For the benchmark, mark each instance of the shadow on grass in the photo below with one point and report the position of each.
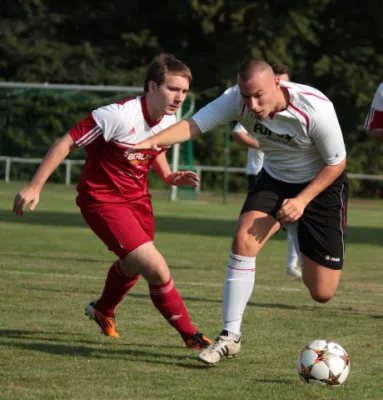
(58, 258)
(180, 225)
(49, 336)
(18, 339)
(65, 337)
(283, 381)
(278, 306)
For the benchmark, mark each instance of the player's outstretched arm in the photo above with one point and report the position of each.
(31, 192)
(177, 133)
(178, 178)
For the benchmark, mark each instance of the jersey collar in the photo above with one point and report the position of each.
(146, 114)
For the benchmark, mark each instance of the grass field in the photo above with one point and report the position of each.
(51, 265)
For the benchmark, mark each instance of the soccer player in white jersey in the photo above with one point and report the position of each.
(302, 186)
(113, 192)
(374, 120)
(254, 167)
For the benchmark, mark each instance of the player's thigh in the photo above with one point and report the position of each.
(118, 227)
(143, 211)
(147, 261)
(253, 231)
(321, 281)
(258, 221)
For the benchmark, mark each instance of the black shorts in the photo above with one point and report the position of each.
(252, 180)
(322, 227)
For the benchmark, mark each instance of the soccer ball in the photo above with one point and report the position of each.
(323, 362)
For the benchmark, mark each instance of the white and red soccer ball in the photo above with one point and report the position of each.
(323, 362)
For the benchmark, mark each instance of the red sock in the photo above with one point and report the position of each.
(170, 304)
(117, 285)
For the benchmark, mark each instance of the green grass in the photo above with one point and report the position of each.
(51, 265)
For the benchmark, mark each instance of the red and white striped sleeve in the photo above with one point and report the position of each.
(107, 121)
(374, 118)
(85, 131)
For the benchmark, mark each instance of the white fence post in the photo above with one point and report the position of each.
(68, 169)
(175, 161)
(7, 169)
(199, 173)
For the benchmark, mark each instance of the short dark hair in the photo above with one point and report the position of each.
(280, 69)
(162, 64)
(249, 67)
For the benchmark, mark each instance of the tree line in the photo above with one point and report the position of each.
(334, 48)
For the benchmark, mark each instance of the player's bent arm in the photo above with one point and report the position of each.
(244, 138)
(178, 178)
(162, 167)
(325, 177)
(327, 136)
(54, 157)
(292, 209)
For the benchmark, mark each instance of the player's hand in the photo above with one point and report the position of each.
(187, 178)
(291, 210)
(148, 144)
(29, 194)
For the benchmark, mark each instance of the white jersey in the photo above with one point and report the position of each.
(374, 118)
(297, 142)
(129, 122)
(254, 156)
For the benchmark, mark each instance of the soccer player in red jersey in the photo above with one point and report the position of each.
(374, 120)
(113, 192)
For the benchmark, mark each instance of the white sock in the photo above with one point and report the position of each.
(239, 285)
(292, 230)
(292, 257)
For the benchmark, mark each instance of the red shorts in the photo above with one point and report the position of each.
(123, 228)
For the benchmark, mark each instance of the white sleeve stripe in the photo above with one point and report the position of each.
(370, 117)
(300, 114)
(89, 138)
(315, 95)
(85, 137)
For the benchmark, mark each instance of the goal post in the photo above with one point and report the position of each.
(70, 101)
(182, 153)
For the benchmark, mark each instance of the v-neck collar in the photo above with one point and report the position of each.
(147, 115)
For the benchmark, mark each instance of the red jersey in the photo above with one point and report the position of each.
(112, 173)
(374, 118)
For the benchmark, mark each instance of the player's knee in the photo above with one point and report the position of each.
(321, 296)
(127, 268)
(242, 243)
(156, 273)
